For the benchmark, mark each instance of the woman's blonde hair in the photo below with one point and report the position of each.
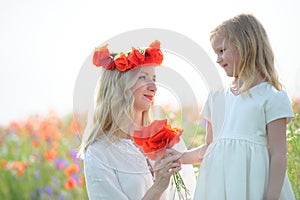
(114, 107)
(246, 33)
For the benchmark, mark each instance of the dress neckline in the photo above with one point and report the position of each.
(250, 89)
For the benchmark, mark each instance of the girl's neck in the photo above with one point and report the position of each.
(237, 83)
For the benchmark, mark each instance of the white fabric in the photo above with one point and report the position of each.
(236, 164)
(118, 170)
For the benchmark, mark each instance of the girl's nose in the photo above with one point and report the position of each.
(219, 59)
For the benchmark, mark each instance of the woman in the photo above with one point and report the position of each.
(114, 167)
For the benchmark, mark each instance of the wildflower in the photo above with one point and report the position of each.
(48, 189)
(50, 154)
(18, 167)
(71, 169)
(71, 183)
(60, 163)
(3, 163)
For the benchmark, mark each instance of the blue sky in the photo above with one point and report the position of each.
(44, 43)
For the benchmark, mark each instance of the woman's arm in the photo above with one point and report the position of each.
(276, 132)
(195, 156)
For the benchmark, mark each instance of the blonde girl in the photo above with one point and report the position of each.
(244, 157)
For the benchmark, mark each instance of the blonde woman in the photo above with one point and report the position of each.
(245, 156)
(114, 167)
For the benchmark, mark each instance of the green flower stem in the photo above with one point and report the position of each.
(179, 184)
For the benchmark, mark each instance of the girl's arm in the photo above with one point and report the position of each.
(196, 155)
(276, 132)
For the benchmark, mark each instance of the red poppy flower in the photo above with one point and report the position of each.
(71, 183)
(122, 63)
(71, 169)
(156, 138)
(135, 58)
(153, 56)
(103, 58)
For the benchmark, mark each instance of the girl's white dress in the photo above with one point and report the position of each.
(236, 164)
(118, 170)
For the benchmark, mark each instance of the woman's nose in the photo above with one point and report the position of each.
(152, 86)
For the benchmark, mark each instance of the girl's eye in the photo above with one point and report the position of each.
(154, 79)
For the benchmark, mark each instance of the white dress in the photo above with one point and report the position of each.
(236, 164)
(119, 171)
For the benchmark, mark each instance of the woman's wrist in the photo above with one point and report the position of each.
(154, 193)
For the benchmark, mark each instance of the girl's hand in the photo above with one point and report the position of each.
(175, 153)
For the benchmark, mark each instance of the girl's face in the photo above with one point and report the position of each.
(144, 89)
(227, 55)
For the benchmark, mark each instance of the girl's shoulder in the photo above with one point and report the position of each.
(267, 91)
(271, 92)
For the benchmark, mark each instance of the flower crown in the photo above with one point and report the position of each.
(130, 60)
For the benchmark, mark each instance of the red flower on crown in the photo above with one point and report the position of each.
(153, 54)
(126, 61)
(103, 58)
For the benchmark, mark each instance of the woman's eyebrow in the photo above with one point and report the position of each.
(146, 73)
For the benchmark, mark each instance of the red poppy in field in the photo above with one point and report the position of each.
(72, 169)
(71, 183)
(50, 154)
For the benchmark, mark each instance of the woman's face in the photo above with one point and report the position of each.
(144, 89)
(227, 55)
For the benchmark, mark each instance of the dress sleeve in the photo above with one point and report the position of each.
(206, 109)
(278, 106)
(101, 181)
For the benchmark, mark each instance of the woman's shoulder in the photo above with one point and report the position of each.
(112, 144)
(119, 154)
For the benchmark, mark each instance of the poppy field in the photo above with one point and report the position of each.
(38, 157)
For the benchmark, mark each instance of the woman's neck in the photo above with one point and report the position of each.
(136, 123)
(138, 118)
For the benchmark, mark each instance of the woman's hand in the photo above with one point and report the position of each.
(165, 167)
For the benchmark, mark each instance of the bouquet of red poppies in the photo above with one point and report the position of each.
(154, 140)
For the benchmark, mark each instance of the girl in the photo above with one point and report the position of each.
(244, 156)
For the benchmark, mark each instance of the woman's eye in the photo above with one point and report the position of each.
(142, 77)
(154, 79)
(222, 50)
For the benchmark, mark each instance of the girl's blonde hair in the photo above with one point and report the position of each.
(114, 107)
(246, 33)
